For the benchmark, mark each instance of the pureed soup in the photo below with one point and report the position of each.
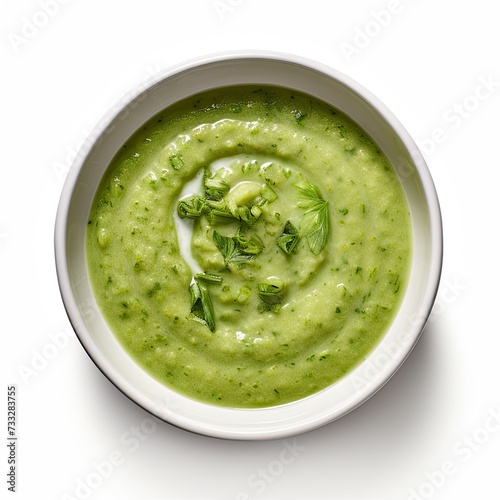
(249, 246)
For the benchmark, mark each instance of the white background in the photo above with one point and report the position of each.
(428, 63)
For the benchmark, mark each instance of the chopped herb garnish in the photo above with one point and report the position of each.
(215, 188)
(236, 248)
(245, 204)
(272, 292)
(192, 207)
(288, 239)
(221, 209)
(208, 279)
(250, 246)
(249, 215)
(218, 213)
(202, 309)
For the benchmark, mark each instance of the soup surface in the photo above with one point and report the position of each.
(249, 246)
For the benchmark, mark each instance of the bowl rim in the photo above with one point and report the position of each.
(61, 224)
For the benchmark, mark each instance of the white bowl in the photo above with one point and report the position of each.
(191, 78)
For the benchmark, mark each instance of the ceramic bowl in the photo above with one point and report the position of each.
(176, 84)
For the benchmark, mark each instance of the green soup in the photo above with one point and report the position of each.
(249, 246)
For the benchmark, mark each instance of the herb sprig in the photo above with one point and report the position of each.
(271, 293)
(215, 188)
(288, 239)
(314, 224)
(191, 207)
(202, 309)
(237, 248)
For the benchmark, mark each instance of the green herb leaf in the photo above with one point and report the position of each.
(215, 188)
(225, 245)
(202, 309)
(288, 239)
(250, 246)
(310, 194)
(220, 215)
(236, 248)
(201, 304)
(208, 279)
(272, 292)
(317, 232)
(192, 207)
(249, 215)
(194, 291)
(314, 224)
